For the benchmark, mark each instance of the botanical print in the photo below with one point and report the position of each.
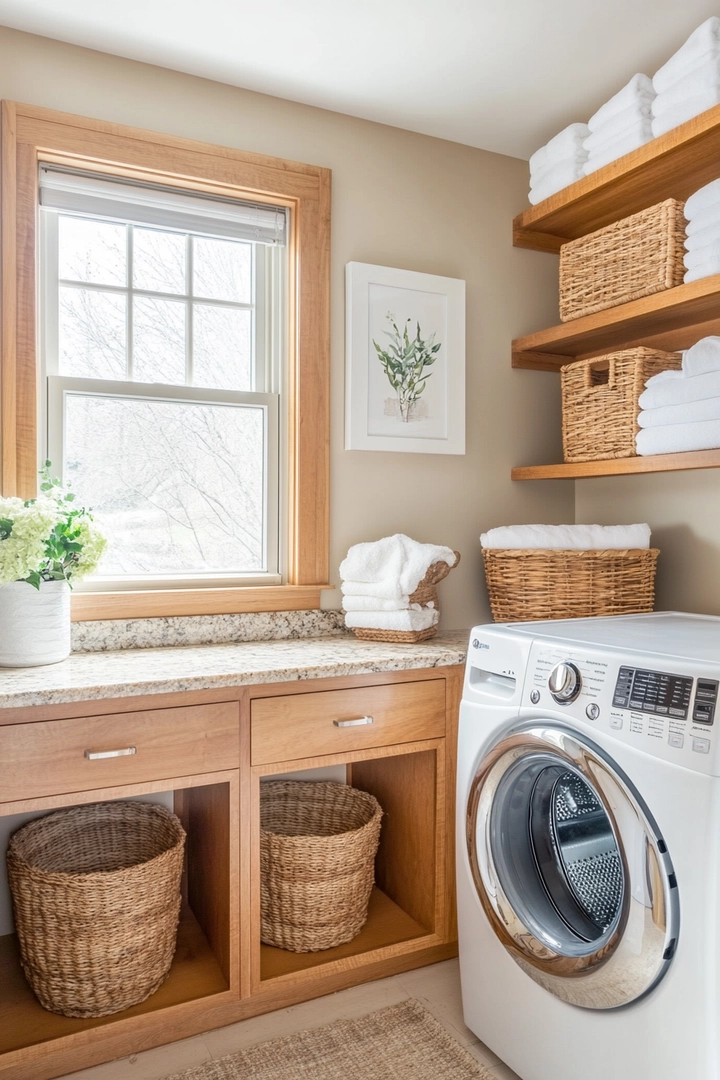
(404, 361)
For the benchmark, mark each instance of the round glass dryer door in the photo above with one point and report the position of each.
(570, 867)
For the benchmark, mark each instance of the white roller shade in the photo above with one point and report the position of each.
(165, 208)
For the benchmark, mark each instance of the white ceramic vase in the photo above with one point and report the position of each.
(34, 623)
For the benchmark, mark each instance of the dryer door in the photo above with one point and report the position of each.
(570, 867)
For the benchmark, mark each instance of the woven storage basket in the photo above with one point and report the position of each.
(425, 593)
(525, 585)
(317, 854)
(635, 257)
(96, 898)
(600, 401)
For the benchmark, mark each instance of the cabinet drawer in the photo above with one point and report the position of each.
(58, 756)
(298, 726)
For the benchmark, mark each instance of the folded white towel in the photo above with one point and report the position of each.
(561, 147)
(685, 111)
(567, 537)
(395, 564)
(705, 77)
(706, 269)
(699, 47)
(618, 148)
(543, 177)
(360, 602)
(703, 237)
(393, 620)
(691, 413)
(678, 389)
(626, 124)
(702, 357)
(640, 88)
(701, 221)
(678, 438)
(703, 199)
(702, 256)
(559, 177)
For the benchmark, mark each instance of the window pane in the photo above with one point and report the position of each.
(179, 486)
(222, 356)
(159, 261)
(222, 269)
(158, 340)
(93, 251)
(91, 333)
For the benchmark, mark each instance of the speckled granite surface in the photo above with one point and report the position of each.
(127, 672)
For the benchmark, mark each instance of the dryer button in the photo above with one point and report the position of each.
(616, 722)
(592, 711)
(534, 696)
(701, 746)
(675, 739)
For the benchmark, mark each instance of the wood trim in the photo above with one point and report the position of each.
(144, 605)
(694, 459)
(30, 134)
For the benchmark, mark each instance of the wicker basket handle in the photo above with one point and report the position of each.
(604, 362)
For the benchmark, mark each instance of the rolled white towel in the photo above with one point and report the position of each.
(559, 177)
(393, 620)
(704, 198)
(678, 438)
(691, 413)
(702, 256)
(358, 602)
(678, 390)
(709, 234)
(618, 148)
(561, 147)
(640, 88)
(702, 44)
(637, 122)
(680, 114)
(705, 77)
(395, 565)
(709, 268)
(567, 537)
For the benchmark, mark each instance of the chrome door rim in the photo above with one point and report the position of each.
(636, 951)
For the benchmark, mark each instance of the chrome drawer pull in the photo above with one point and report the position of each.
(96, 755)
(353, 723)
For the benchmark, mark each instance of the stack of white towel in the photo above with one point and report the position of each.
(567, 537)
(702, 242)
(621, 125)
(559, 163)
(681, 409)
(378, 579)
(689, 83)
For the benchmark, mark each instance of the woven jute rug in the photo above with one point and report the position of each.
(402, 1042)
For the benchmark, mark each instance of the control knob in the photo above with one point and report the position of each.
(565, 682)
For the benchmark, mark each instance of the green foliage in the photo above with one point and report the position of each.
(404, 362)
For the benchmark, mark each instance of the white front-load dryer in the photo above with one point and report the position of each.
(589, 847)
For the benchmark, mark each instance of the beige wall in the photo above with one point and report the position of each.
(399, 199)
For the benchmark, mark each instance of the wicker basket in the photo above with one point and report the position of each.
(317, 853)
(635, 257)
(600, 402)
(425, 593)
(525, 585)
(96, 898)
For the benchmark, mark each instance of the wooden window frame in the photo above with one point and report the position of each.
(28, 135)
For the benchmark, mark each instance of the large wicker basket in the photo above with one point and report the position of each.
(96, 899)
(600, 401)
(425, 594)
(635, 257)
(525, 585)
(317, 854)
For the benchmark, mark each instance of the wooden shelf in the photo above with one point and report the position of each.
(673, 166)
(387, 924)
(195, 973)
(670, 320)
(697, 459)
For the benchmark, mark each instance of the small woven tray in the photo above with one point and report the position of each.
(425, 593)
(638, 256)
(525, 584)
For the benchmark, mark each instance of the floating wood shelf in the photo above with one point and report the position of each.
(697, 459)
(673, 166)
(670, 320)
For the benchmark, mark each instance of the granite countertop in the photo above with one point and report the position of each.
(127, 672)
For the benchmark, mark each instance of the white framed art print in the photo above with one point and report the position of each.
(405, 361)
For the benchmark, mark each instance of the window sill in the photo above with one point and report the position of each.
(87, 607)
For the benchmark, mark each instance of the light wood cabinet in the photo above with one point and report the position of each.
(213, 756)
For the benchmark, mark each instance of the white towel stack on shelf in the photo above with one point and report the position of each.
(689, 83)
(378, 579)
(681, 409)
(558, 163)
(621, 125)
(567, 537)
(702, 241)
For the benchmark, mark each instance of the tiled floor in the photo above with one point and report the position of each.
(437, 987)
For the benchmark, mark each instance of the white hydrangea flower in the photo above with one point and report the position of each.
(93, 542)
(22, 552)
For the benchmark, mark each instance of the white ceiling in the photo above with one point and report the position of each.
(499, 74)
